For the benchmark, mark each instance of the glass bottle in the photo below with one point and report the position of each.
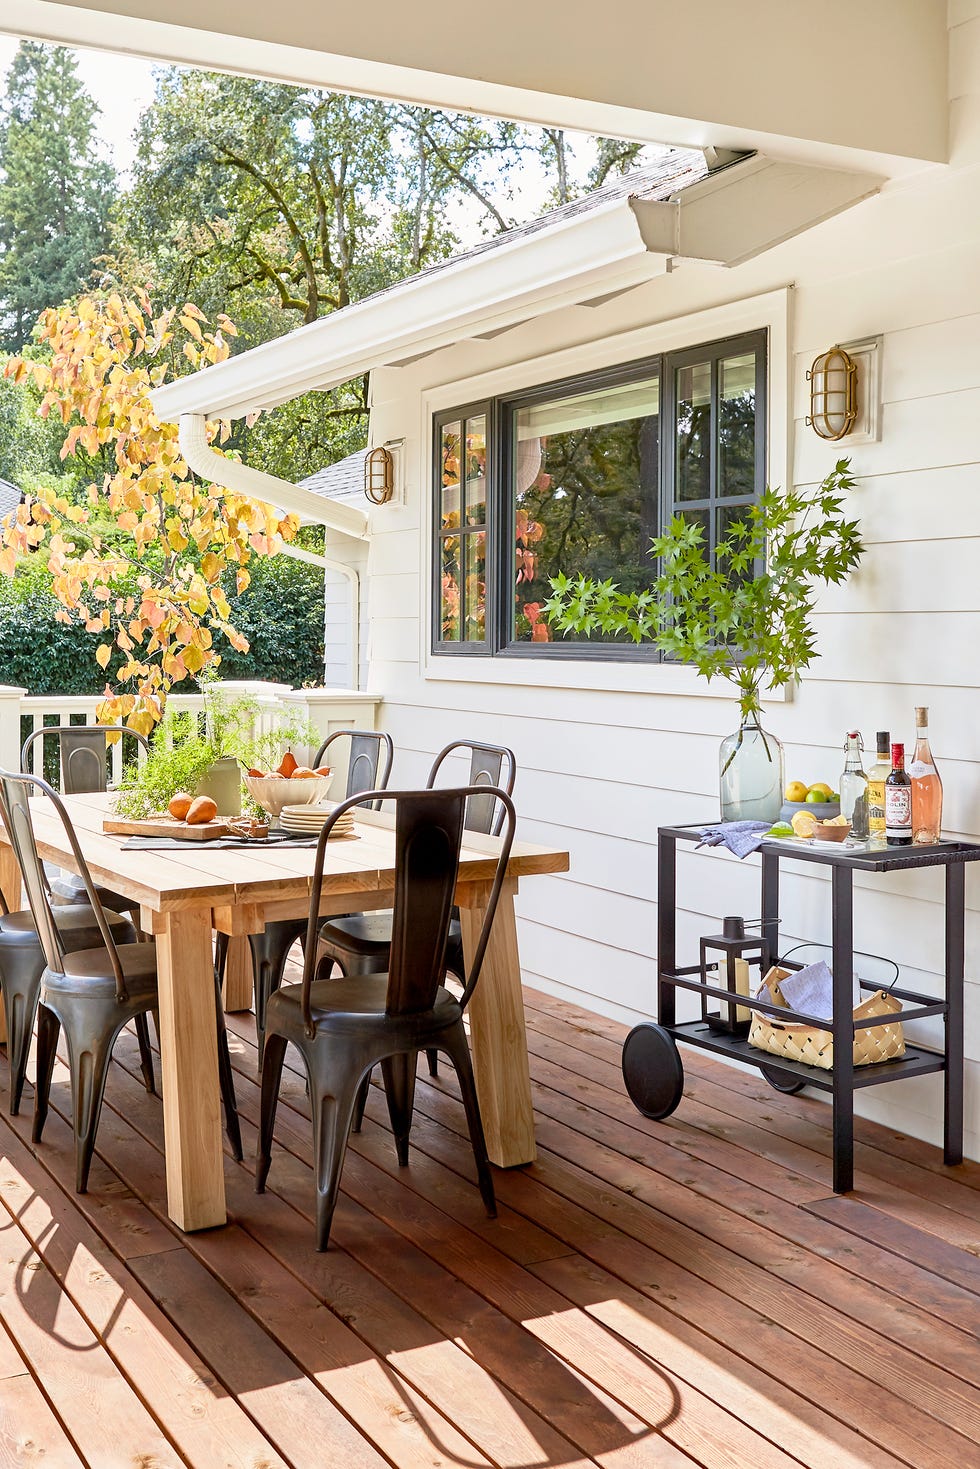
(877, 776)
(927, 788)
(854, 788)
(750, 762)
(898, 802)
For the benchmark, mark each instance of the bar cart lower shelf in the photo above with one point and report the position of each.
(652, 1067)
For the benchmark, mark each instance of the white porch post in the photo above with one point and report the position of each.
(333, 709)
(10, 741)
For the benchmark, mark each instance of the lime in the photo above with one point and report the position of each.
(781, 829)
(819, 785)
(816, 797)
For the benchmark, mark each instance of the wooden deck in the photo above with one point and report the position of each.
(675, 1294)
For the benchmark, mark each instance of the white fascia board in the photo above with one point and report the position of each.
(557, 266)
(749, 207)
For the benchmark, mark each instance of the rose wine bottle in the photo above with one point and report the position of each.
(927, 788)
(898, 802)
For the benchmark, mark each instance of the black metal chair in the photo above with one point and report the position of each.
(342, 1028)
(82, 758)
(91, 992)
(369, 766)
(360, 943)
(21, 968)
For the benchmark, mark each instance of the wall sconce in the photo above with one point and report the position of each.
(833, 394)
(379, 477)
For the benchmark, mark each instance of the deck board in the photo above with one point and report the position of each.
(681, 1294)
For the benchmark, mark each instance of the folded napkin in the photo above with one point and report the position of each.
(810, 990)
(176, 844)
(740, 837)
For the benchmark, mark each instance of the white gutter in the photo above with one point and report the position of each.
(563, 264)
(231, 475)
(257, 485)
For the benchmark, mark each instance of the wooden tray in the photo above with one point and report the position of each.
(165, 826)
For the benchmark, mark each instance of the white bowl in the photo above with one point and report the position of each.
(275, 791)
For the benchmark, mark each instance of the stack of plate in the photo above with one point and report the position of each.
(312, 818)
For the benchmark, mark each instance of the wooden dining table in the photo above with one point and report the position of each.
(186, 895)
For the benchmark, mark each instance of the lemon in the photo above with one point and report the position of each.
(804, 824)
(825, 791)
(816, 797)
(795, 791)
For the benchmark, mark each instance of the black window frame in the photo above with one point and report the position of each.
(500, 513)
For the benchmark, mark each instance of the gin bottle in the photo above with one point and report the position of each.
(877, 776)
(854, 789)
(927, 788)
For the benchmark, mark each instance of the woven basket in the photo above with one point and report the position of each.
(814, 1047)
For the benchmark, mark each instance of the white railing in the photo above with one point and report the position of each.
(327, 709)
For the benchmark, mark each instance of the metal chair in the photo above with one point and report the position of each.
(342, 1028)
(82, 756)
(91, 992)
(368, 769)
(21, 968)
(360, 943)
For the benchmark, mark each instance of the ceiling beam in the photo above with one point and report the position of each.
(854, 85)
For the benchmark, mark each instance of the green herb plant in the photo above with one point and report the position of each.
(184, 747)
(747, 617)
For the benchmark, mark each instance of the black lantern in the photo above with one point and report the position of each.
(737, 952)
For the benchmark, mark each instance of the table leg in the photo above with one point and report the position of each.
(953, 1075)
(497, 1030)
(842, 890)
(189, 1062)
(10, 887)
(237, 991)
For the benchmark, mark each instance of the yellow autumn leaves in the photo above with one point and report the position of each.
(143, 561)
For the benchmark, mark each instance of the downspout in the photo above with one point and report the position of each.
(257, 485)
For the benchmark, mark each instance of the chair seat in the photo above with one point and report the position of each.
(89, 972)
(364, 934)
(69, 888)
(354, 1005)
(76, 923)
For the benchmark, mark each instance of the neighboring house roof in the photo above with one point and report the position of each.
(341, 481)
(607, 242)
(10, 497)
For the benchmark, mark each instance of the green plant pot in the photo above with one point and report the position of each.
(223, 783)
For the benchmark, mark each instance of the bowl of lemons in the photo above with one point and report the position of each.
(819, 800)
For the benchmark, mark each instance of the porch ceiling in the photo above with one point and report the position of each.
(759, 74)
(722, 219)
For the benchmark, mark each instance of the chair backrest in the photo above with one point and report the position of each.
(490, 765)
(15, 811)
(428, 836)
(369, 762)
(82, 749)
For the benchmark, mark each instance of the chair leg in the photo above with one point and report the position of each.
(433, 1059)
(459, 1052)
(146, 1053)
(226, 1079)
(272, 1059)
(48, 1031)
(89, 1068)
(20, 988)
(399, 1075)
(270, 950)
(360, 1101)
(333, 1092)
(220, 957)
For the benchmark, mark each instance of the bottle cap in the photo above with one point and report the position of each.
(921, 716)
(898, 754)
(884, 739)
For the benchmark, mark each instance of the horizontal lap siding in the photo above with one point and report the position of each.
(598, 772)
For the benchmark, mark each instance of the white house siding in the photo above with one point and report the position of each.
(601, 767)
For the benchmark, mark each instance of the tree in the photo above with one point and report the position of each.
(142, 561)
(55, 192)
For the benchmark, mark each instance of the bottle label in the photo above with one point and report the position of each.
(898, 808)
(918, 769)
(876, 804)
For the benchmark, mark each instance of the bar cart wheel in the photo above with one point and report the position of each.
(780, 1082)
(652, 1071)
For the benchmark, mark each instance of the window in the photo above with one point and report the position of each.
(579, 477)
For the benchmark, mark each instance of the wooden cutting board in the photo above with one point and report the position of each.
(165, 826)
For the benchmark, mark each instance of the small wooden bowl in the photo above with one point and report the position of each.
(832, 833)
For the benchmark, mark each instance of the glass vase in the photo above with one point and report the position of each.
(750, 763)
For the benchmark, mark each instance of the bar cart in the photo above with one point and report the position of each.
(652, 1067)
